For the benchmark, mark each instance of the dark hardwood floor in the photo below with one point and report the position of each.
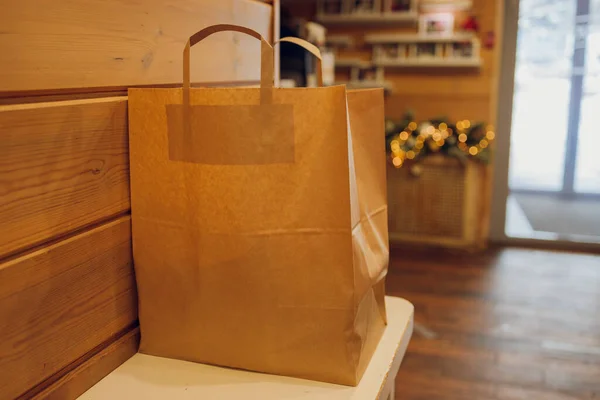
(508, 324)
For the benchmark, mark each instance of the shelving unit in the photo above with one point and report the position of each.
(426, 48)
(459, 50)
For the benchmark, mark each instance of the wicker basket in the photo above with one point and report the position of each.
(438, 201)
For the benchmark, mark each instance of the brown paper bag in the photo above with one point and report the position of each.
(259, 224)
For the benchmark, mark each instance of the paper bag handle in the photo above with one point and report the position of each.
(266, 51)
(311, 48)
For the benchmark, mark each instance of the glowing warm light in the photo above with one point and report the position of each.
(434, 137)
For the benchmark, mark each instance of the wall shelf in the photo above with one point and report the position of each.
(459, 50)
(474, 62)
(369, 18)
(367, 84)
(445, 5)
(417, 38)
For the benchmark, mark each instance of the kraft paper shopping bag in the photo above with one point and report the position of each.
(259, 233)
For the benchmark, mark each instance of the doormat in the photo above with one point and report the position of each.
(550, 213)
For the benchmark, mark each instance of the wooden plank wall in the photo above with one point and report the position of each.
(68, 305)
(116, 43)
(68, 172)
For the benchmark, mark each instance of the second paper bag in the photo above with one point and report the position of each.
(253, 246)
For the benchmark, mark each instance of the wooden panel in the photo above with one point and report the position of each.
(71, 95)
(60, 302)
(90, 43)
(63, 165)
(454, 219)
(438, 81)
(80, 94)
(430, 106)
(77, 381)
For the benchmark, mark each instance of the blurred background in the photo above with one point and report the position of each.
(531, 68)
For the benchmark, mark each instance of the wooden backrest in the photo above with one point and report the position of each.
(68, 306)
(117, 43)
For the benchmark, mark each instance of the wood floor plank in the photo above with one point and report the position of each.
(420, 386)
(507, 324)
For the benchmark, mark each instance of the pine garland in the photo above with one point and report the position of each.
(408, 141)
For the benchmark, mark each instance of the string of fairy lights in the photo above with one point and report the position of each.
(463, 139)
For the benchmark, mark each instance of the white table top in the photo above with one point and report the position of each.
(152, 378)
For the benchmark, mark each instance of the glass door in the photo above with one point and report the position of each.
(587, 166)
(554, 162)
(541, 94)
